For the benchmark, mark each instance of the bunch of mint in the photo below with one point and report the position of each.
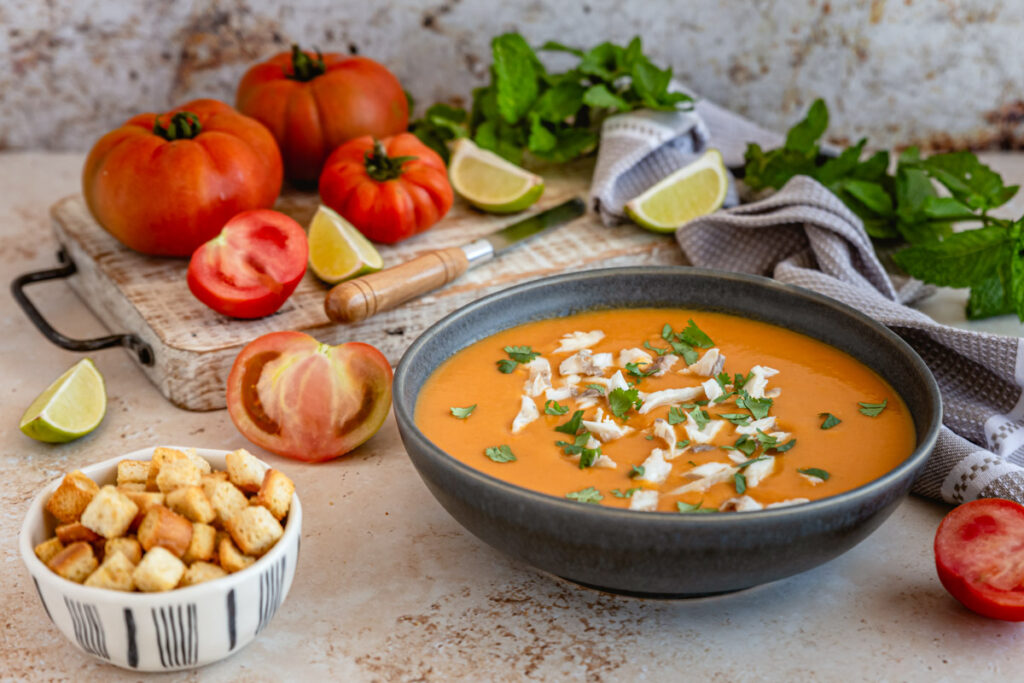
(906, 208)
(554, 116)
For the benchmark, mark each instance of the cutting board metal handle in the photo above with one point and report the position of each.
(67, 269)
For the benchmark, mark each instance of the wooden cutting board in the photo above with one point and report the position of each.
(194, 347)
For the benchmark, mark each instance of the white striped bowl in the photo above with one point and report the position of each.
(179, 629)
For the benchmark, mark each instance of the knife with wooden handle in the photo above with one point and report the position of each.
(358, 299)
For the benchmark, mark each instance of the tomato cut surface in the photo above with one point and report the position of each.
(979, 555)
(252, 266)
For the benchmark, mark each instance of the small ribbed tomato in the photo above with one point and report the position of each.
(314, 102)
(296, 397)
(165, 183)
(388, 189)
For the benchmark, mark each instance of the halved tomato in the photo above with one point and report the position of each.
(979, 554)
(296, 397)
(252, 266)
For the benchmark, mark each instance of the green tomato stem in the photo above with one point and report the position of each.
(380, 166)
(304, 67)
(183, 125)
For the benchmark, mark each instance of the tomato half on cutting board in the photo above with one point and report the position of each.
(252, 266)
(979, 554)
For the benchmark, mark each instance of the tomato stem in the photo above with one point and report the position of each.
(304, 67)
(380, 166)
(183, 125)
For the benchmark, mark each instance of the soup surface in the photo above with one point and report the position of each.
(666, 409)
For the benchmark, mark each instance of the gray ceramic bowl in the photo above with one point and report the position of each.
(656, 553)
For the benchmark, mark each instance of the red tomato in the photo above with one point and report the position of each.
(252, 266)
(979, 554)
(389, 189)
(312, 103)
(165, 183)
(296, 397)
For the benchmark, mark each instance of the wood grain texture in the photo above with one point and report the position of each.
(194, 346)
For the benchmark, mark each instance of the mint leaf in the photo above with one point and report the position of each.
(500, 453)
(960, 260)
(969, 180)
(830, 420)
(573, 425)
(555, 408)
(803, 137)
(463, 413)
(872, 195)
(620, 401)
(587, 495)
(872, 409)
(560, 102)
(814, 472)
(600, 96)
(516, 71)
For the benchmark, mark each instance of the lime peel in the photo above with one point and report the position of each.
(71, 407)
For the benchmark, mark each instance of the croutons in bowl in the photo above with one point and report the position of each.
(166, 575)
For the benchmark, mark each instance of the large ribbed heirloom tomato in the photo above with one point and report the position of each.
(296, 397)
(314, 102)
(165, 183)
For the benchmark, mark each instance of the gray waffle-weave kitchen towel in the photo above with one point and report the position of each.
(804, 235)
(640, 148)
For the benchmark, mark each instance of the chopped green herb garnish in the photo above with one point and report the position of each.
(689, 355)
(744, 445)
(676, 415)
(573, 425)
(736, 418)
(700, 417)
(682, 444)
(555, 408)
(739, 380)
(463, 413)
(872, 409)
(649, 437)
(636, 471)
(518, 354)
(758, 407)
(691, 463)
(579, 447)
(667, 333)
(500, 453)
(693, 336)
(628, 493)
(748, 463)
(830, 420)
(587, 495)
(782, 448)
(741, 483)
(634, 369)
(689, 508)
(597, 387)
(766, 440)
(660, 352)
(814, 472)
(620, 401)
(507, 366)
(723, 380)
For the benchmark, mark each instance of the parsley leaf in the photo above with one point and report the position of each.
(667, 333)
(683, 349)
(628, 493)
(507, 366)
(830, 420)
(689, 508)
(597, 387)
(587, 495)
(621, 401)
(766, 440)
(676, 415)
(814, 472)
(573, 425)
(758, 407)
(700, 416)
(682, 444)
(555, 408)
(872, 409)
(744, 445)
(660, 352)
(463, 413)
(636, 471)
(579, 447)
(634, 369)
(500, 453)
(741, 483)
(693, 336)
(736, 418)
(747, 463)
(521, 354)
(782, 448)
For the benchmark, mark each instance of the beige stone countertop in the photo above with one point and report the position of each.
(389, 587)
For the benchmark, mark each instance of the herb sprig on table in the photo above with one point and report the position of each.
(906, 208)
(554, 116)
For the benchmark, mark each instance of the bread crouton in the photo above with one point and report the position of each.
(230, 557)
(161, 456)
(159, 571)
(76, 531)
(74, 562)
(201, 463)
(276, 493)
(71, 497)
(115, 573)
(177, 474)
(47, 549)
(244, 470)
(128, 546)
(200, 572)
(109, 513)
(226, 500)
(209, 479)
(132, 472)
(191, 502)
(254, 530)
(164, 528)
(131, 486)
(201, 546)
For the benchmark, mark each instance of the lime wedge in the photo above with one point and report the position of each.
(71, 407)
(694, 190)
(491, 183)
(337, 250)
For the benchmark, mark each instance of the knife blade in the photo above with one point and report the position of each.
(358, 299)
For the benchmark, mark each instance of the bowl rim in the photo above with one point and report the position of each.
(404, 413)
(80, 591)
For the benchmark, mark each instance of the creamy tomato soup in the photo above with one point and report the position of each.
(666, 409)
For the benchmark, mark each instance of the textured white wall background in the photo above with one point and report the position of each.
(945, 73)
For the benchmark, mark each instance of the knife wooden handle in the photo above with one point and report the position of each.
(358, 299)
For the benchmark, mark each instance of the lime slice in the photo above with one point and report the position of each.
(71, 407)
(491, 183)
(694, 190)
(337, 251)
